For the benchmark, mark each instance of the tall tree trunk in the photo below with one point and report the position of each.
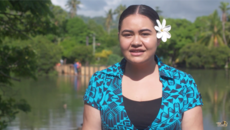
(109, 29)
(215, 42)
(226, 64)
(223, 25)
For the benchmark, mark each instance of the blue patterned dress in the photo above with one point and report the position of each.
(179, 94)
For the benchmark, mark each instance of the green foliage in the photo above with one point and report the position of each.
(82, 53)
(68, 45)
(53, 34)
(73, 5)
(117, 50)
(15, 62)
(99, 19)
(48, 53)
(212, 35)
(195, 55)
(109, 20)
(95, 28)
(219, 56)
(21, 61)
(181, 35)
(102, 57)
(111, 40)
(9, 108)
(200, 56)
(118, 11)
(113, 58)
(78, 29)
(20, 18)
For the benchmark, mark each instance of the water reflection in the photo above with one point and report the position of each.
(214, 86)
(57, 102)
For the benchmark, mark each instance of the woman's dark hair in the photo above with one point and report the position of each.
(140, 9)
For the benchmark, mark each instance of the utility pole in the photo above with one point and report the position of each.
(87, 41)
(94, 44)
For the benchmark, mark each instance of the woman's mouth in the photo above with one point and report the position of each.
(136, 52)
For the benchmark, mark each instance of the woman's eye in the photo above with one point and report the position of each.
(127, 35)
(145, 34)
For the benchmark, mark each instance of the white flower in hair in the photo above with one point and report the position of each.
(163, 31)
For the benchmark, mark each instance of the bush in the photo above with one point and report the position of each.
(113, 58)
(200, 56)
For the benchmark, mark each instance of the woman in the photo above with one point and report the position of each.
(141, 92)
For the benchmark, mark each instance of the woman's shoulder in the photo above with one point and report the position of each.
(175, 72)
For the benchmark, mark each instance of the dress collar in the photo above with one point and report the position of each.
(118, 69)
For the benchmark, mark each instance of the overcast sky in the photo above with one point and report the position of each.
(188, 9)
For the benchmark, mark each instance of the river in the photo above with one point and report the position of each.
(57, 102)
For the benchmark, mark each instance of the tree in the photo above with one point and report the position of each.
(227, 32)
(77, 28)
(19, 20)
(60, 15)
(118, 11)
(195, 55)
(212, 35)
(103, 56)
(224, 8)
(181, 35)
(73, 5)
(199, 56)
(48, 54)
(113, 58)
(82, 53)
(158, 10)
(109, 20)
(76, 33)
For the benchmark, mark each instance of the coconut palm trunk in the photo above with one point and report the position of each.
(118, 11)
(109, 20)
(224, 37)
(73, 5)
(224, 8)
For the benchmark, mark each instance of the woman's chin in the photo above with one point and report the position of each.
(136, 60)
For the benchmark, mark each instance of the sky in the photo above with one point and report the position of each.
(188, 9)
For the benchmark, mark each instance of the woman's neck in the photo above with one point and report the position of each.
(139, 71)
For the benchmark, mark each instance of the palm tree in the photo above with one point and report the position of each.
(158, 10)
(214, 99)
(212, 34)
(109, 20)
(73, 5)
(224, 8)
(227, 32)
(60, 15)
(118, 11)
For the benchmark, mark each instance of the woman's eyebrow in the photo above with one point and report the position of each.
(142, 30)
(127, 31)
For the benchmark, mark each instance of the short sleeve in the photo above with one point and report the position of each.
(192, 96)
(93, 92)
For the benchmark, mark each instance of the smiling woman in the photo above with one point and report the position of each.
(141, 92)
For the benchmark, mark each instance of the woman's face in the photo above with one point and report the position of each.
(138, 39)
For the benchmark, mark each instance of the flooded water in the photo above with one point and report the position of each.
(57, 102)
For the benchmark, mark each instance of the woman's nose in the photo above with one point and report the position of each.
(136, 41)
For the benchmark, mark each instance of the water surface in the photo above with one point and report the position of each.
(57, 102)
